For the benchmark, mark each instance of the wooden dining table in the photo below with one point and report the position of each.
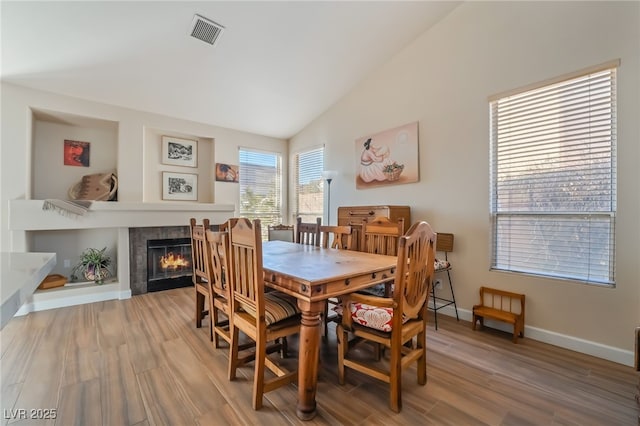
(313, 275)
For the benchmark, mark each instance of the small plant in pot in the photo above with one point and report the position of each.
(94, 265)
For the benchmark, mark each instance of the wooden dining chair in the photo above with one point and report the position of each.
(217, 247)
(200, 275)
(280, 233)
(337, 237)
(308, 233)
(394, 321)
(263, 317)
(381, 236)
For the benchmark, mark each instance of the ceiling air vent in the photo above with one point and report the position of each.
(205, 29)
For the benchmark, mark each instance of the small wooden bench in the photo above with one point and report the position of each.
(502, 306)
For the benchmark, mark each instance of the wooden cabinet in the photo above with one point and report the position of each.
(356, 215)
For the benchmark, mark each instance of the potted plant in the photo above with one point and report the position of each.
(93, 265)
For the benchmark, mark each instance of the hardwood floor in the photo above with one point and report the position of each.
(142, 362)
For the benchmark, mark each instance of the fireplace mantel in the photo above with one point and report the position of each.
(27, 215)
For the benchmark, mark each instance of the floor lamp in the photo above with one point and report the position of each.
(329, 175)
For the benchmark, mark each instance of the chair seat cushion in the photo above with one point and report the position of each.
(440, 265)
(371, 316)
(279, 306)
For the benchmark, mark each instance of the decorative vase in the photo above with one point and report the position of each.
(98, 277)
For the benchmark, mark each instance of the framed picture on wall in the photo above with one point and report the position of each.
(387, 158)
(76, 153)
(179, 186)
(227, 173)
(179, 152)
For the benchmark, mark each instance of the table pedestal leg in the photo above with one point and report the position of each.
(310, 332)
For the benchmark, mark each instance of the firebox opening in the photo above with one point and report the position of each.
(169, 264)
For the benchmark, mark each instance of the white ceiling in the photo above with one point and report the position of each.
(276, 67)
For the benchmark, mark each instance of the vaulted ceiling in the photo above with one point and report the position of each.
(275, 67)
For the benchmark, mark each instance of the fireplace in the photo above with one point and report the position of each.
(168, 263)
(139, 263)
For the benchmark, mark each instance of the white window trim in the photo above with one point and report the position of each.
(587, 219)
(295, 205)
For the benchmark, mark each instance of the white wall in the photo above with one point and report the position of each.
(137, 160)
(443, 80)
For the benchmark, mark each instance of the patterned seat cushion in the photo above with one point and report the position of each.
(440, 264)
(279, 306)
(370, 316)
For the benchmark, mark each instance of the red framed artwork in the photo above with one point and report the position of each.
(76, 153)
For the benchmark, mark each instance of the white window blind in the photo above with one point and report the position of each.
(261, 187)
(553, 178)
(309, 185)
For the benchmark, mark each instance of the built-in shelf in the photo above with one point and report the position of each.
(64, 296)
(27, 215)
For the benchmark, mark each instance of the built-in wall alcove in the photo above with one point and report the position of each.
(54, 171)
(50, 176)
(68, 244)
(155, 165)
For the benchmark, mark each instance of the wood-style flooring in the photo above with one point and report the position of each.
(142, 362)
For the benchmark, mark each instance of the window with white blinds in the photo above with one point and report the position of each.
(309, 185)
(261, 187)
(553, 178)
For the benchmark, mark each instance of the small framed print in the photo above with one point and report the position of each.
(76, 153)
(179, 152)
(179, 186)
(227, 173)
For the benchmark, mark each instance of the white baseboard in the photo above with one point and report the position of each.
(71, 296)
(577, 344)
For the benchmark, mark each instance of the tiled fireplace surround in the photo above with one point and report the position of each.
(138, 238)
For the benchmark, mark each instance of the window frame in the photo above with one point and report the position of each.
(275, 216)
(599, 221)
(308, 216)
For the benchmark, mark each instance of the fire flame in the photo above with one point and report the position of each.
(171, 261)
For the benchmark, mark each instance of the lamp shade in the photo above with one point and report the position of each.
(329, 174)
